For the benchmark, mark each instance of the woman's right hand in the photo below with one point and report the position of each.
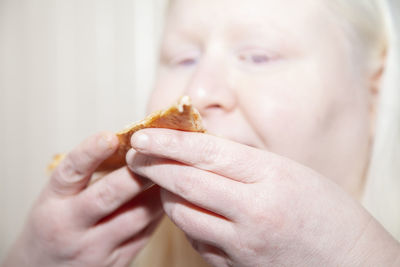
(73, 224)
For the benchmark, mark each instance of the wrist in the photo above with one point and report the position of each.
(15, 257)
(375, 247)
(22, 253)
(397, 260)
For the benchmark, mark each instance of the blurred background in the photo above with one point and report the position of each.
(68, 68)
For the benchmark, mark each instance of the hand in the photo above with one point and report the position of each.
(241, 206)
(73, 224)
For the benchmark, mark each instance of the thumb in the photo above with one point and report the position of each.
(74, 172)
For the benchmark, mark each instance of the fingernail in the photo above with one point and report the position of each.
(140, 141)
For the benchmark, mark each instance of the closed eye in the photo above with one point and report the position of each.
(187, 62)
(187, 59)
(254, 57)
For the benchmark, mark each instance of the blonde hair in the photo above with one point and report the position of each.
(382, 191)
(372, 24)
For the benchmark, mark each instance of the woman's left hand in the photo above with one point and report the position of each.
(241, 206)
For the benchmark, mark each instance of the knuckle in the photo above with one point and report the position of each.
(59, 174)
(171, 143)
(176, 215)
(175, 208)
(65, 174)
(258, 214)
(105, 196)
(268, 211)
(209, 152)
(184, 188)
(78, 161)
(175, 212)
(70, 168)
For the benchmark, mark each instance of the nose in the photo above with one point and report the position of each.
(211, 89)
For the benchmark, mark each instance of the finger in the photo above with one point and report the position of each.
(129, 249)
(197, 223)
(131, 219)
(210, 254)
(227, 158)
(73, 173)
(107, 195)
(202, 188)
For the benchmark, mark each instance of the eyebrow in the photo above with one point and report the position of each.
(268, 32)
(257, 28)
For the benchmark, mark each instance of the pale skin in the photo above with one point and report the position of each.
(275, 182)
(105, 224)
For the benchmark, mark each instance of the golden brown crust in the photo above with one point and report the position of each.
(181, 116)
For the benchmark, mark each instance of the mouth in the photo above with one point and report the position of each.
(250, 145)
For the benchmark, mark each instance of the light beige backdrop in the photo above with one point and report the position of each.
(68, 68)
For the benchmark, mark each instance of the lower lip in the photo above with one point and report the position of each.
(250, 145)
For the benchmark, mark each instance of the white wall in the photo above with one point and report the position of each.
(68, 68)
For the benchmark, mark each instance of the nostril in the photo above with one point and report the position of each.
(214, 106)
(212, 98)
(211, 109)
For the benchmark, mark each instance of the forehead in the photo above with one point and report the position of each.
(289, 24)
(287, 15)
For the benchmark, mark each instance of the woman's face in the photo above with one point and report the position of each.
(276, 75)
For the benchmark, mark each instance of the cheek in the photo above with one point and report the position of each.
(316, 121)
(282, 108)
